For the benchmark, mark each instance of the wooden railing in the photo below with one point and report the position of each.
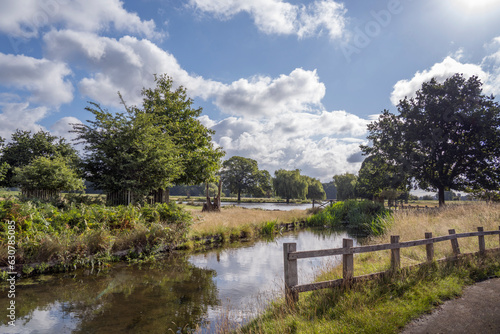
(292, 287)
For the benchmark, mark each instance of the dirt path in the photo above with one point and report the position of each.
(477, 311)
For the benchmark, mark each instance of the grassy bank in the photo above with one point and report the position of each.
(235, 223)
(62, 235)
(387, 304)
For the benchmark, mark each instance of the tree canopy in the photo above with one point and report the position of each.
(346, 185)
(377, 179)
(290, 184)
(445, 138)
(50, 174)
(314, 188)
(26, 146)
(242, 175)
(174, 114)
(127, 152)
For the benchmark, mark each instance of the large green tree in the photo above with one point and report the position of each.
(346, 185)
(173, 113)
(377, 178)
(314, 188)
(127, 153)
(290, 184)
(45, 177)
(26, 146)
(242, 175)
(446, 137)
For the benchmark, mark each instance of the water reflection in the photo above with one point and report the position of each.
(173, 294)
(176, 294)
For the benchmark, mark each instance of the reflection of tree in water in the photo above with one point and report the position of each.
(171, 294)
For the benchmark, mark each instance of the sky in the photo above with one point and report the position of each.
(291, 84)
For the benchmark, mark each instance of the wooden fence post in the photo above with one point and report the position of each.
(454, 243)
(429, 247)
(347, 261)
(395, 254)
(482, 244)
(291, 276)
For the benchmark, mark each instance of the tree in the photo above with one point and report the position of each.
(45, 177)
(446, 138)
(377, 178)
(314, 188)
(24, 147)
(173, 113)
(289, 184)
(264, 186)
(240, 175)
(345, 184)
(127, 154)
(330, 190)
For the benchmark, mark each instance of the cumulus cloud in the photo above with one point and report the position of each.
(15, 115)
(441, 71)
(311, 142)
(25, 18)
(62, 127)
(126, 65)
(279, 17)
(492, 64)
(44, 79)
(266, 96)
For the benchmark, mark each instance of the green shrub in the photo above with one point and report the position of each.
(363, 218)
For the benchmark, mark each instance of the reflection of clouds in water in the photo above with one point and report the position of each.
(247, 278)
(52, 320)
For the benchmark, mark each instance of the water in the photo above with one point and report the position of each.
(271, 206)
(176, 294)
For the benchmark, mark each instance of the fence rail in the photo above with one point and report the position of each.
(291, 255)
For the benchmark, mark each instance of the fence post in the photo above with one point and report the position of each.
(482, 244)
(429, 247)
(395, 254)
(499, 235)
(291, 276)
(347, 261)
(454, 243)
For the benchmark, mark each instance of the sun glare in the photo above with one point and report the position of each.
(476, 5)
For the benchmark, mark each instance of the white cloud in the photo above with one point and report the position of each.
(20, 116)
(265, 96)
(62, 127)
(278, 17)
(492, 64)
(44, 79)
(441, 71)
(126, 65)
(310, 142)
(25, 18)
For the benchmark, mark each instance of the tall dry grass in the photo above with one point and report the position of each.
(207, 223)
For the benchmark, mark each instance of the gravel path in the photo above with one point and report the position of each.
(476, 311)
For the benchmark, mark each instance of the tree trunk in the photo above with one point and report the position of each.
(441, 196)
(239, 195)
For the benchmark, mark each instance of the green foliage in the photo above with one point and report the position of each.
(127, 152)
(445, 138)
(242, 175)
(268, 228)
(314, 188)
(330, 190)
(290, 184)
(45, 232)
(345, 185)
(48, 174)
(365, 217)
(173, 113)
(377, 178)
(24, 147)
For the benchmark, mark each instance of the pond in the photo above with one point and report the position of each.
(177, 293)
(271, 206)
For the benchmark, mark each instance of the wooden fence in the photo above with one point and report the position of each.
(292, 288)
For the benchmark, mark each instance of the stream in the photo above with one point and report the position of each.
(178, 293)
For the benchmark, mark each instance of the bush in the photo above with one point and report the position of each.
(364, 218)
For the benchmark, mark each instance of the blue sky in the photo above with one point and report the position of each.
(291, 84)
